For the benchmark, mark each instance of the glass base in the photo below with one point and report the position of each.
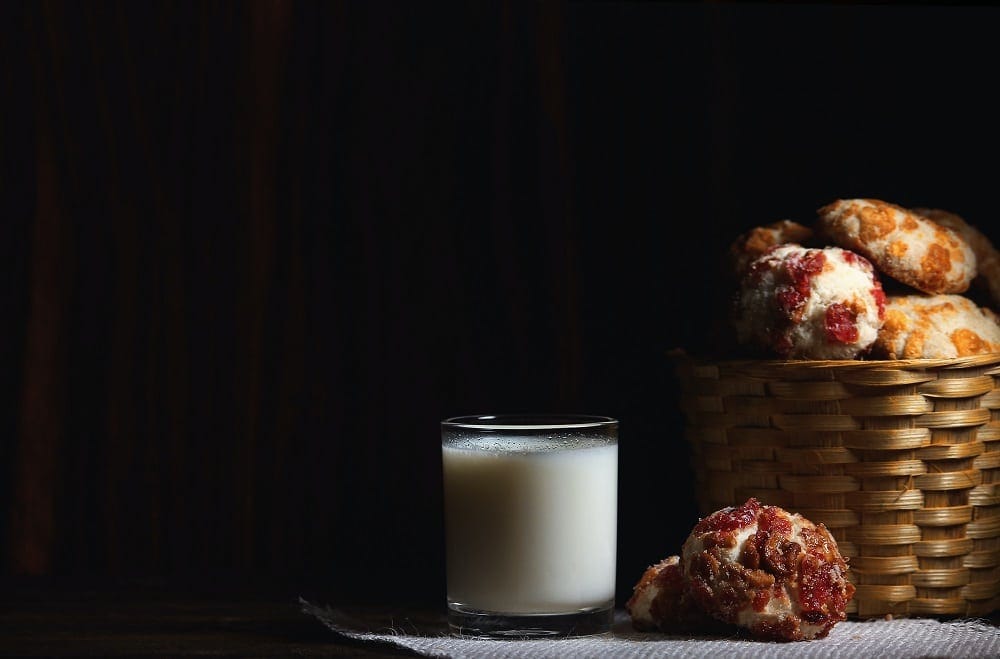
(471, 623)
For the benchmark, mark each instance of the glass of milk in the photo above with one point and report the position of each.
(530, 522)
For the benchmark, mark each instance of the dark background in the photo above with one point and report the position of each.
(255, 252)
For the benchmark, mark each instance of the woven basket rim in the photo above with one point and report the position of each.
(805, 364)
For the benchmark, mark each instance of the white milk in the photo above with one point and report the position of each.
(530, 528)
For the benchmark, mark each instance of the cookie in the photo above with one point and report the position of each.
(775, 573)
(901, 244)
(660, 602)
(752, 244)
(935, 327)
(987, 257)
(808, 303)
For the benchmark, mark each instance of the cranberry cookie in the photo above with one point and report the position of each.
(660, 602)
(808, 303)
(774, 573)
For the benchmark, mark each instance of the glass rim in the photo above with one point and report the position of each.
(529, 422)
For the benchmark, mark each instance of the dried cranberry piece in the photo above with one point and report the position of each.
(730, 519)
(841, 323)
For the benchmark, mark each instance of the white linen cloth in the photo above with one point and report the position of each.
(922, 638)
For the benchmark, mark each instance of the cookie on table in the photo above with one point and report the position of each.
(774, 573)
(752, 244)
(660, 602)
(987, 257)
(808, 303)
(936, 327)
(901, 244)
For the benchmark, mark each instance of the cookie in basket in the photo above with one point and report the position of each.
(901, 244)
(751, 245)
(936, 327)
(987, 256)
(809, 303)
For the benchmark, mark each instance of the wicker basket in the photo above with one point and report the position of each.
(899, 459)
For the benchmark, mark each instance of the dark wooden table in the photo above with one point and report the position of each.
(149, 618)
(53, 618)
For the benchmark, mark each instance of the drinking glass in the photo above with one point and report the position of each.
(530, 524)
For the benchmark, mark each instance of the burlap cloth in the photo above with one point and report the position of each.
(916, 637)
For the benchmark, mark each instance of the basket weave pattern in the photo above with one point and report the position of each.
(899, 459)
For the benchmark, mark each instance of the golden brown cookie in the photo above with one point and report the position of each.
(935, 327)
(758, 240)
(901, 244)
(987, 257)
